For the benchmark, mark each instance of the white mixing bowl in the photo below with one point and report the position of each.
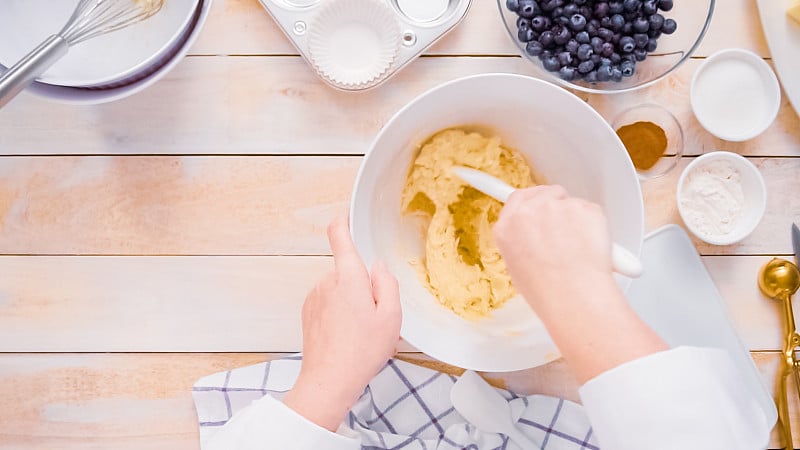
(100, 61)
(563, 138)
(149, 76)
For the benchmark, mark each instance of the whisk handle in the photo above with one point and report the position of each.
(21, 74)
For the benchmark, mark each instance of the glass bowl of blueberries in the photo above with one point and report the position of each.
(606, 46)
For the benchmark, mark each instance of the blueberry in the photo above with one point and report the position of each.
(572, 47)
(540, 23)
(546, 39)
(534, 48)
(669, 26)
(626, 44)
(512, 5)
(528, 8)
(616, 74)
(548, 6)
(608, 49)
(656, 21)
(523, 22)
(603, 73)
(564, 58)
(615, 58)
(580, 2)
(605, 61)
(605, 22)
(582, 37)
(561, 36)
(631, 5)
(562, 20)
(597, 44)
(615, 38)
(585, 11)
(601, 9)
(557, 12)
(641, 25)
(577, 22)
(605, 34)
(640, 39)
(551, 64)
(615, 7)
(651, 46)
(654, 34)
(526, 35)
(567, 73)
(596, 59)
(617, 22)
(665, 5)
(640, 54)
(585, 52)
(627, 67)
(590, 77)
(591, 28)
(570, 9)
(585, 67)
(627, 28)
(650, 7)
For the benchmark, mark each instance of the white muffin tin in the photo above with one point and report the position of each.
(420, 23)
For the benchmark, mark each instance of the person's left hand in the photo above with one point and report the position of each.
(351, 327)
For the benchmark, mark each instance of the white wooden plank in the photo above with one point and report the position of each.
(252, 205)
(143, 401)
(275, 105)
(231, 304)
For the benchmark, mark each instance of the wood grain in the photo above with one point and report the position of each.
(143, 401)
(242, 27)
(230, 304)
(275, 105)
(195, 205)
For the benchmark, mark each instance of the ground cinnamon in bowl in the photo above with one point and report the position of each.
(653, 138)
(646, 142)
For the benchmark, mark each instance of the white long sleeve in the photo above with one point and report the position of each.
(269, 424)
(685, 398)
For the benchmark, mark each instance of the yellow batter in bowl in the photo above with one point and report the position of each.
(462, 266)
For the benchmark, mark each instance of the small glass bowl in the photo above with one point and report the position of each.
(658, 115)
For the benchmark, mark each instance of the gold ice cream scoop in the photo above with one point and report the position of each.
(779, 280)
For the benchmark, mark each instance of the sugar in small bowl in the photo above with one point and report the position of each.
(721, 197)
(735, 95)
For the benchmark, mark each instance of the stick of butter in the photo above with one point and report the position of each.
(794, 11)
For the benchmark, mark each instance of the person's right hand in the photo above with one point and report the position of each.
(558, 252)
(551, 241)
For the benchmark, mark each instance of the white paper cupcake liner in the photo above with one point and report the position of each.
(354, 43)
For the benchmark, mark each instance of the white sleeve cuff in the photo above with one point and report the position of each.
(687, 398)
(269, 424)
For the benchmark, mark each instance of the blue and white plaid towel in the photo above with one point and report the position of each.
(405, 407)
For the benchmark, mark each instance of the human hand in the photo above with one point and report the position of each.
(351, 327)
(557, 250)
(551, 242)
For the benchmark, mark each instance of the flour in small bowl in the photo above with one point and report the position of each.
(712, 199)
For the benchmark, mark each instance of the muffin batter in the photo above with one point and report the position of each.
(462, 267)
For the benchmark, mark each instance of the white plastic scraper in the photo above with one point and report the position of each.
(622, 260)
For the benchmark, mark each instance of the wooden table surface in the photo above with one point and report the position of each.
(152, 241)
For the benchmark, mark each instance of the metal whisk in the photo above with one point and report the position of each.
(90, 19)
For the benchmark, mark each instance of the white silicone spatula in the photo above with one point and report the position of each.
(622, 261)
(482, 406)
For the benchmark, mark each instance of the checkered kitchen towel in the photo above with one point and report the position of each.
(404, 407)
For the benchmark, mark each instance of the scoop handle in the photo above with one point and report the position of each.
(623, 261)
